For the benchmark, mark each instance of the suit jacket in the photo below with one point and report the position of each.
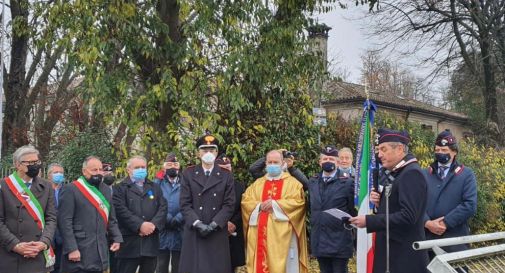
(16, 226)
(134, 207)
(407, 205)
(206, 199)
(82, 228)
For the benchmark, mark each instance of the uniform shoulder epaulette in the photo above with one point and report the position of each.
(190, 166)
(458, 170)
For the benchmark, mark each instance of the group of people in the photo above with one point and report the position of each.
(200, 220)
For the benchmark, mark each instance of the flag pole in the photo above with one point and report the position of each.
(2, 56)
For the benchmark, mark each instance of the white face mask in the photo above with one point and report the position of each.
(208, 158)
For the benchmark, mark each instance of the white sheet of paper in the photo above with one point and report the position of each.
(339, 214)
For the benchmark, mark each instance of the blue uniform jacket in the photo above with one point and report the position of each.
(454, 197)
(171, 235)
(328, 237)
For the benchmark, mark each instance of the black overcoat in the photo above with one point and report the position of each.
(237, 247)
(407, 205)
(133, 207)
(82, 228)
(328, 236)
(206, 199)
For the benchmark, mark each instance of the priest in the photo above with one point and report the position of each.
(273, 211)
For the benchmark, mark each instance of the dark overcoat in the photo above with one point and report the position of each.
(82, 228)
(135, 206)
(454, 198)
(16, 226)
(328, 236)
(237, 247)
(407, 204)
(206, 199)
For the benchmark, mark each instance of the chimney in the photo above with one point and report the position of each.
(318, 35)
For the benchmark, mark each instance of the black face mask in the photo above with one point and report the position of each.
(95, 179)
(442, 158)
(33, 170)
(109, 179)
(328, 167)
(172, 172)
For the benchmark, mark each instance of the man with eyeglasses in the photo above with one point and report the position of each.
(27, 216)
(56, 175)
(141, 211)
(87, 221)
(207, 202)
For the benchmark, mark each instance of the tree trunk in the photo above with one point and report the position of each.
(15, 123)
(489, 90)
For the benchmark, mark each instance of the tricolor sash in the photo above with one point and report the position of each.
(32, 205)
(95, 197)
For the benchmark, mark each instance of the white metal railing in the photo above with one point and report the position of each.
(488, 259)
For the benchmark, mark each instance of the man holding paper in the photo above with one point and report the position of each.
(273, 211)
(330, 241)
(405, 193)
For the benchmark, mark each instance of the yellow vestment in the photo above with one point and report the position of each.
(280, 230)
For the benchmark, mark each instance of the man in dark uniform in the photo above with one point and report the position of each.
(25, 237)
(452, 194)
(141, 211)
(207, 203)
(235, 226)
(87, 221)
(330, 242)
(171, 236)
(257, 169)
(407, 204)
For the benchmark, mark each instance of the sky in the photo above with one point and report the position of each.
(348, 40)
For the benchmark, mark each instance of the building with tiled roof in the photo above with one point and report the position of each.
(347, 100)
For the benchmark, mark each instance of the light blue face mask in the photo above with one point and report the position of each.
(274, 170)
(139, 174)
(58, 178)
(345, 170)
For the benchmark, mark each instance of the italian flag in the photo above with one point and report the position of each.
(363, 184)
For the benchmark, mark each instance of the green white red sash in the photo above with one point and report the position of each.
(32, 205)
(95, 197)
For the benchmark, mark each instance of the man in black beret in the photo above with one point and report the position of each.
(207, 203)
(406, 190)
(330, 242)
(452, 193)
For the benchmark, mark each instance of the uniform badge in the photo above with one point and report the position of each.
(444, 142)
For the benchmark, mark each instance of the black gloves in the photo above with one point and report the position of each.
(213, 226)
(204, 230)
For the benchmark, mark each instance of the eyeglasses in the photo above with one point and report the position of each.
(29, 163)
